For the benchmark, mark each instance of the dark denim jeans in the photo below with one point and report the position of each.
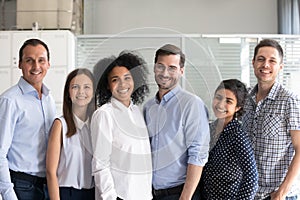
(196, 196)
(26, 190)
(287, 198)
(69, 193)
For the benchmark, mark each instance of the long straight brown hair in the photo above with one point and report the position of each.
(67, 103)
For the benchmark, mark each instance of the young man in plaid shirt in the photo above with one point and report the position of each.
(272, 119)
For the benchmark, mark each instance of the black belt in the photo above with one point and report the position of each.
(168, 191)
(27, 177)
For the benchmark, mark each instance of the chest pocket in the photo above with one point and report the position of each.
(272, 125)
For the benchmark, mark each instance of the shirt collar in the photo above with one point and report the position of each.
(79, 123)
(272, 94)
(169, 95)
(233, 123)
(120, 105)
(28, 88)
(274, 91)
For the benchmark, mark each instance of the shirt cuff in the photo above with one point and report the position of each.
(9, 195)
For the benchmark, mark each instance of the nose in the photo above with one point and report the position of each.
(221, 103)
(35, 64)
(267, 63)
(121, 83)
(165, 71)
(81, 90)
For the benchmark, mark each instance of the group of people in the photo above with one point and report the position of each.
(104, 147)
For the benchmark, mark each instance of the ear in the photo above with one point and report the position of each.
(48, 65)
(281, 66)
(19, 65)
(237, 109)
(181, 70)
(253, 62)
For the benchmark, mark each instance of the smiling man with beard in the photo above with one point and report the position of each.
(177, 122)
(27, 111)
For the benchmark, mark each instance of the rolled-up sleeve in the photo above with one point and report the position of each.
(197, 132)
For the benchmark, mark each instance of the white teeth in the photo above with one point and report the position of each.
(35, 73)
(123, 91)
(265, 71)
(164, 78)
(81, 97)
(221, 110)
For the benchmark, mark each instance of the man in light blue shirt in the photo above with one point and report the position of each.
(27, 111)
(178, 126)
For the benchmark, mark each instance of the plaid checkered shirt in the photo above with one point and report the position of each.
(268, 123)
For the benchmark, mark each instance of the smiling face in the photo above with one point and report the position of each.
(267, 64)
(225, 105)
(167, 72)
(34, 65)
(81, 91)
(121, 84)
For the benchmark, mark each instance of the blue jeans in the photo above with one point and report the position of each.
(69, 193)
(287, 198)
(26, 190)
(196, 196)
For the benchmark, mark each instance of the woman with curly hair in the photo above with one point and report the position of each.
(122, 156)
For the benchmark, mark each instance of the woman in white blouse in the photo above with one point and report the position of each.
(122, 156)
(69, 153)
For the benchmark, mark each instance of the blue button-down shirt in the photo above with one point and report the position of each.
(179, 134)
(25, 122)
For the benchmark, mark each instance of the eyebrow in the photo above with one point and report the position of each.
(127, 74)
(261, 56)
(30, 57)
(228, 98)
(231, 99)
(167, 65)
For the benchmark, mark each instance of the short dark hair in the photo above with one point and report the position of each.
(67, 102)
(138, 69)
(238, 89)
(170, 49)
(269, 43)
(33, 42)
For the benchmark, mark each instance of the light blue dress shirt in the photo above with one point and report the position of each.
(25, 122)
(179, 135)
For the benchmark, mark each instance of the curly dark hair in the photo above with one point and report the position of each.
(100, 66)
(138, 69)
(238, 89)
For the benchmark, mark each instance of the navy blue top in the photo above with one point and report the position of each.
(230, 172)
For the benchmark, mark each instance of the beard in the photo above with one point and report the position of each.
(166, 83)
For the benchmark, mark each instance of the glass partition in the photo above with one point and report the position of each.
(209, 58)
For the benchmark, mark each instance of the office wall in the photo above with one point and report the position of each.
(8, 15)
(184, 16)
